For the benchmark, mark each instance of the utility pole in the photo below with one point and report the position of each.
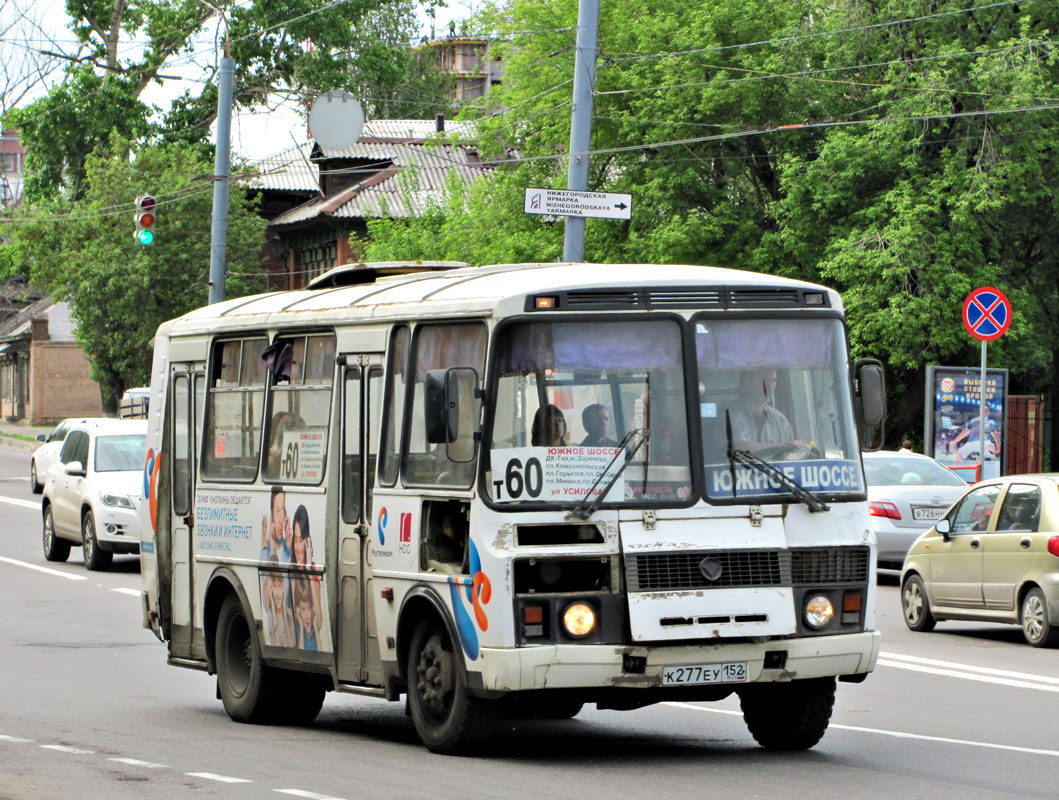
(581, 122)
(222, 170)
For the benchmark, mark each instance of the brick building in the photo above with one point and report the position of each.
(43, 372)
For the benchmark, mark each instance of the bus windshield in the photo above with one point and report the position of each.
(778, 389)
(576, 400)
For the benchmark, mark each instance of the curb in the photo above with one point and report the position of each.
(18, 444)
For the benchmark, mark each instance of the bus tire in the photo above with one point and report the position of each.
(446, 717)
(788, 716)
(244, 682)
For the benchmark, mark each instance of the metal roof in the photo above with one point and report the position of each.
(288, 170)
(426, 168)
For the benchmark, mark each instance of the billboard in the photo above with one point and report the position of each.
(952, 417)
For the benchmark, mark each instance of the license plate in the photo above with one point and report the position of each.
(924, 513)
(732, 672)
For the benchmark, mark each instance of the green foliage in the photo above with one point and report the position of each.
(120, 291)
(874, 157)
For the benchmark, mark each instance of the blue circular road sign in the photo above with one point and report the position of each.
(986, 313)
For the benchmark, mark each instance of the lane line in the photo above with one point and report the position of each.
(895, 734)
(16, 739)
(17, 502)
(68, 575)
(307, 795)
(135, 762)
(968, 676)
(64, 748)
(211, 776)
(969, 668)
(123, 590)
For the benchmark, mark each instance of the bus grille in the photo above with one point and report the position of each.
(817, 566)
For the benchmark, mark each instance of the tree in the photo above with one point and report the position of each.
(120, 291)
(900, 153)
(293, 48)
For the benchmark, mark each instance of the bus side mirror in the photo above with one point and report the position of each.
(870, 402)
(441, 400)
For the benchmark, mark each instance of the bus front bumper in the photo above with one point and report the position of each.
(568, 666)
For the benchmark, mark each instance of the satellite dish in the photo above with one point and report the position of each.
(336, 120)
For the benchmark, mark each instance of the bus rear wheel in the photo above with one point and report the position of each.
(244, 682)
(446, 717)
(788, 716)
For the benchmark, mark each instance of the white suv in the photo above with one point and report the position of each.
(93, 492)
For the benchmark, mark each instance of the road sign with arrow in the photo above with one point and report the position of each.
(566, 203)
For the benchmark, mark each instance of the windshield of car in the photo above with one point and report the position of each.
(567, 395)
(898, 471)
(778, 389)
(120, 453)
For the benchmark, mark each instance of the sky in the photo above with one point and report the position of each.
(257, 134)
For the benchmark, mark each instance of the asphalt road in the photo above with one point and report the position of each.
(90, 709)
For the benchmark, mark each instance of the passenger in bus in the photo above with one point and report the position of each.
(276, 531)
(306, 617)
(549, 427)
(302, 548)
(756, 423)
(595, 419)
(278, 615)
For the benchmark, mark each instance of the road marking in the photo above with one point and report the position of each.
(24, 503)
(969, 676)
(123, 590)
(18, 739)
(970, 668)
(307, 795)
(895, 734)
(63, 748)
(210, 776)
(59, 573)
(135, 762)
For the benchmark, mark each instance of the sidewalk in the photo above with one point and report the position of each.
(21, 435)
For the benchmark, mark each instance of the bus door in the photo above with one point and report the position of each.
(358, 645)
(188, 385)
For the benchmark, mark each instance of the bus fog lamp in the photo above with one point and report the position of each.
(819, 611)
(579, 620)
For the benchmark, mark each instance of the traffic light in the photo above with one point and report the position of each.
(145, 219)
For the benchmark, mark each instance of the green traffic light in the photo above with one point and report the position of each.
(145, 237)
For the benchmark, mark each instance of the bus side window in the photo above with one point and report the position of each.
(235, 400)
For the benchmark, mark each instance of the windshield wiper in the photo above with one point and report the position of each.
(749, 459)
(585, 508)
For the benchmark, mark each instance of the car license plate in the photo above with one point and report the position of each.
(732, 672)
(927, 513)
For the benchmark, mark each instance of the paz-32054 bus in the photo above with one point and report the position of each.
(515, 489)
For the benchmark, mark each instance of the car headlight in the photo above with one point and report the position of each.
(579, 619)
(819, 611)
(120, 500)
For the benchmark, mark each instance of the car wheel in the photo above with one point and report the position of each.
(95, 557)
(1033, 616)
(915, 606)
(788, 716)
(35, 486)
(446, 717)
(55, 549)
(246, 685)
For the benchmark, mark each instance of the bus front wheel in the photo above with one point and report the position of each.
(788, 716)
(243, 680)
(447, 719)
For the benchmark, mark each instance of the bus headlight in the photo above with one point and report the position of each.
(579, 620)
(819, 611)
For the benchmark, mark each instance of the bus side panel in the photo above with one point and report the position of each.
(154, 507)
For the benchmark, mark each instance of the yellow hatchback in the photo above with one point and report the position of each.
(993, 558)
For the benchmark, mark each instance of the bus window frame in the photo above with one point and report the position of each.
(687, 354)
(409, 404)
(202, 475)
(774, 499)
(295, 388)
(389, 408)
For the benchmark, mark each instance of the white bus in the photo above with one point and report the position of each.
(515, 490)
